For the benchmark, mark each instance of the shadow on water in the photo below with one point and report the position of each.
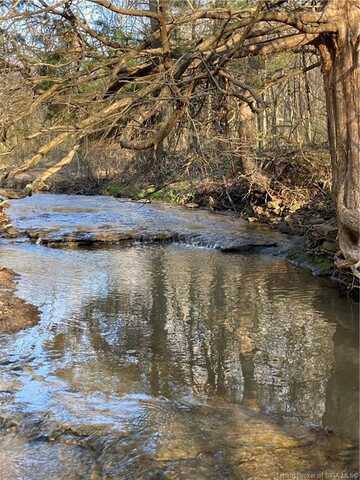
(175, 362)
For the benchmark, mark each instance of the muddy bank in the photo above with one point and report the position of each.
(3, 217)
(15, 313)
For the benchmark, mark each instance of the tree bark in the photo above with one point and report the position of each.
(247, 131)
(247, 136)
(341, 71)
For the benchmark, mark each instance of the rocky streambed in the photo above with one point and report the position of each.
(169, 361)
(70, 220)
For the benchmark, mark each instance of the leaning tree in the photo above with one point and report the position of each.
(148, 80)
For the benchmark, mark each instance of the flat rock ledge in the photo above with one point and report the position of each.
(103, 237)
(15, 313)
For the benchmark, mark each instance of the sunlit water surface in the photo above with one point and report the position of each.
(176, 362)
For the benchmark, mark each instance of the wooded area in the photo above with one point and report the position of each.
(191, 86)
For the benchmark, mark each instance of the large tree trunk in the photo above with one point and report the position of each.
(247, 131)
(341, 70)
(248, 139)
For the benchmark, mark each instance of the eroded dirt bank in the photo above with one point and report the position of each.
(15, 313)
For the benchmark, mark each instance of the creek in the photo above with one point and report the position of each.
(172, 360)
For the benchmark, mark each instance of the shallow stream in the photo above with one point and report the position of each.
(172, 361)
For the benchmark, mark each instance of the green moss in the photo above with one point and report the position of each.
(177, 193)
(121, 190)
(114, 190)
(321, 265)
(146, 192)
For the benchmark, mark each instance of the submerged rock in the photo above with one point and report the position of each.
(178, 443)
(39, 460)
(319, 265)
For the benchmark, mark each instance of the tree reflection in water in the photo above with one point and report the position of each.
(167, 357)
(208, 326)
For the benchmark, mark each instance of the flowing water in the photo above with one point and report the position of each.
(173, 361)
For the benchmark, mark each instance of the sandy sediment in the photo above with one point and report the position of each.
(15, 313)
